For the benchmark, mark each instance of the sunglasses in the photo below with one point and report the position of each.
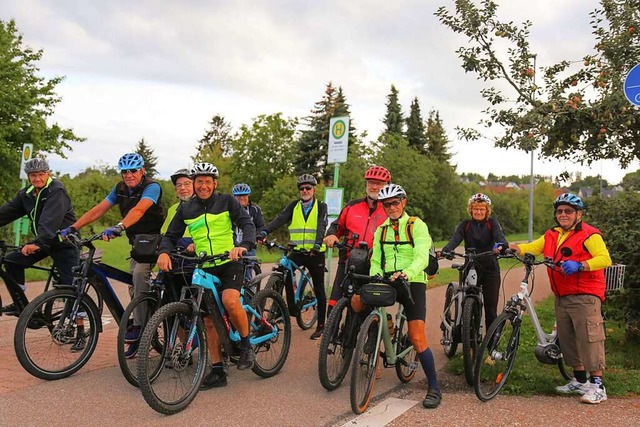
(129, 171)
(567, 211)
(388, 205)
(305, 188)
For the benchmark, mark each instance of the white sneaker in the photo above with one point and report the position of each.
(596, 394)
(574, 386)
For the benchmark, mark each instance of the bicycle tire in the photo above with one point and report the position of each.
(496, 356)
(562, 367)
(272, 308)
(449, 316)
(52, 336)
(307, 317)
(335, 352)
(471, 336)
(128, 366)
(364, 364)
(407, 366)
(173, 317)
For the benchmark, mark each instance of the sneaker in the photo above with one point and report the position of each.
(318, 333)
(217, 378)
(132, 350)
(595, 394)
(10, 310)
(432, 399)
(573, 386)
(247, 358)
(132, 335)
(80, 343)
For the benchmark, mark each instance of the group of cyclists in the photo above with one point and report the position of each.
(205, 220)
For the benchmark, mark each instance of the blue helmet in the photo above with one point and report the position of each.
(241, 189)
(569, 199)
(130, 161)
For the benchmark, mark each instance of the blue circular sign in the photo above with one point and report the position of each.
(632, 85)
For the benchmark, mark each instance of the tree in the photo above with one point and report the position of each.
(415, 128)
(393, 118)
(593, 182)
(215, 147)
(27, 102)
(437, 142)
(150, 159)
(631, 181)
(579, 111)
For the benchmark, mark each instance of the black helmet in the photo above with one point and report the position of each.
(36, 165)
(180, 173)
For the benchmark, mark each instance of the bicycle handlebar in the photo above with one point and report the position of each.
(286, 249)
(529, 260)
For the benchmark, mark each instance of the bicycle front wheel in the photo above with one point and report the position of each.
(181, 368)
(48, 344)
(336, 345)
(306, 317)
(272, 353)
(449, 316)
(471, 335)
(496, 355)
(406, 366)
(364, 364)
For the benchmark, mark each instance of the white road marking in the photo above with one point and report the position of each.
(382, 414)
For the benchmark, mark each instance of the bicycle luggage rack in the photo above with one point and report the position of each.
(614, 277)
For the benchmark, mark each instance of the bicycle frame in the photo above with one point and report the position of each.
(288, 268)
(391, 355)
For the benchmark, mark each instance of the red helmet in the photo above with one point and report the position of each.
(378, 172)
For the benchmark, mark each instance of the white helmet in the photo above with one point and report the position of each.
(392, 190)
(479, 198)
(204, 169)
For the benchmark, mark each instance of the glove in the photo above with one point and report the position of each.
(315, 250)
(261, 237)
(571, 267)
(113, 232)
(446, 254)
(499, 247)
(64, 233)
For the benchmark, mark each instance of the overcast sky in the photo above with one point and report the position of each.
(161, 69)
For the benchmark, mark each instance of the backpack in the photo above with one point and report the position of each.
(432, 267)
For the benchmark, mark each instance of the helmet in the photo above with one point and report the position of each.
(305, 178)
(241, 189)
(379, 173)
(36, 165)
(204, 169)
(180, 173)
(569, 199)
(391, 190)
(130, 161)
(479, 198)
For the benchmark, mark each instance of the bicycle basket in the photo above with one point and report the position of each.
(614, 277)
(378, 294)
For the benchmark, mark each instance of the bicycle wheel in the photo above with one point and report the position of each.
(471, 335)
(181, 369)
(407, 366)
(561, 366)
(306, 317)
(270, 354)
(364, 364)
(336, 345)
(127, 355)
(47, 343)
(449, 316)
(496, 356)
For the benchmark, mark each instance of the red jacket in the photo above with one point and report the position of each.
(357, 217)
(582, 282)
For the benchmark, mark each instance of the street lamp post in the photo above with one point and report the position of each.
(534, 56)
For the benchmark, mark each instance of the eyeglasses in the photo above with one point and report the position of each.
(567, 211)
(185, 185)
(305, 188)
(129, 171)
(388, 205)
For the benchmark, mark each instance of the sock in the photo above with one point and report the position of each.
(244, 342)
(217, 367)
(581, 376)
(596, 380)
(429, 368)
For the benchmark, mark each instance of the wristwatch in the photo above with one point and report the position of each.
(581, 267)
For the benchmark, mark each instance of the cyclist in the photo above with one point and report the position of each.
(49, 208)
(579, 292)
(210, 217)
(241, 192)
(360, 216)
(402, 260)
(139, 200)
(183, 183)
(483, 233)
(307, 218)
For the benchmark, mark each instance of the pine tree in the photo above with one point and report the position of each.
(393, 118)
(416, 133)
(150, 159)
(436, 138)
(215, 147)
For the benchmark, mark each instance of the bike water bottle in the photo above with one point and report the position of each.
(472, 276)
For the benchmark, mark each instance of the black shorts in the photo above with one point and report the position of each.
(231, 274)
(417, 310)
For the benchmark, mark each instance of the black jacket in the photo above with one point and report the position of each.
(480, 235)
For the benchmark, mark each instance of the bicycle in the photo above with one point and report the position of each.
(497, 353)
(171, 385)
(463, 313)
(399, 351)
(300, 295)
(340, 331)
(52, 323)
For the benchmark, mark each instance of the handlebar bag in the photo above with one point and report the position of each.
(145, 248)
(378, 294)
